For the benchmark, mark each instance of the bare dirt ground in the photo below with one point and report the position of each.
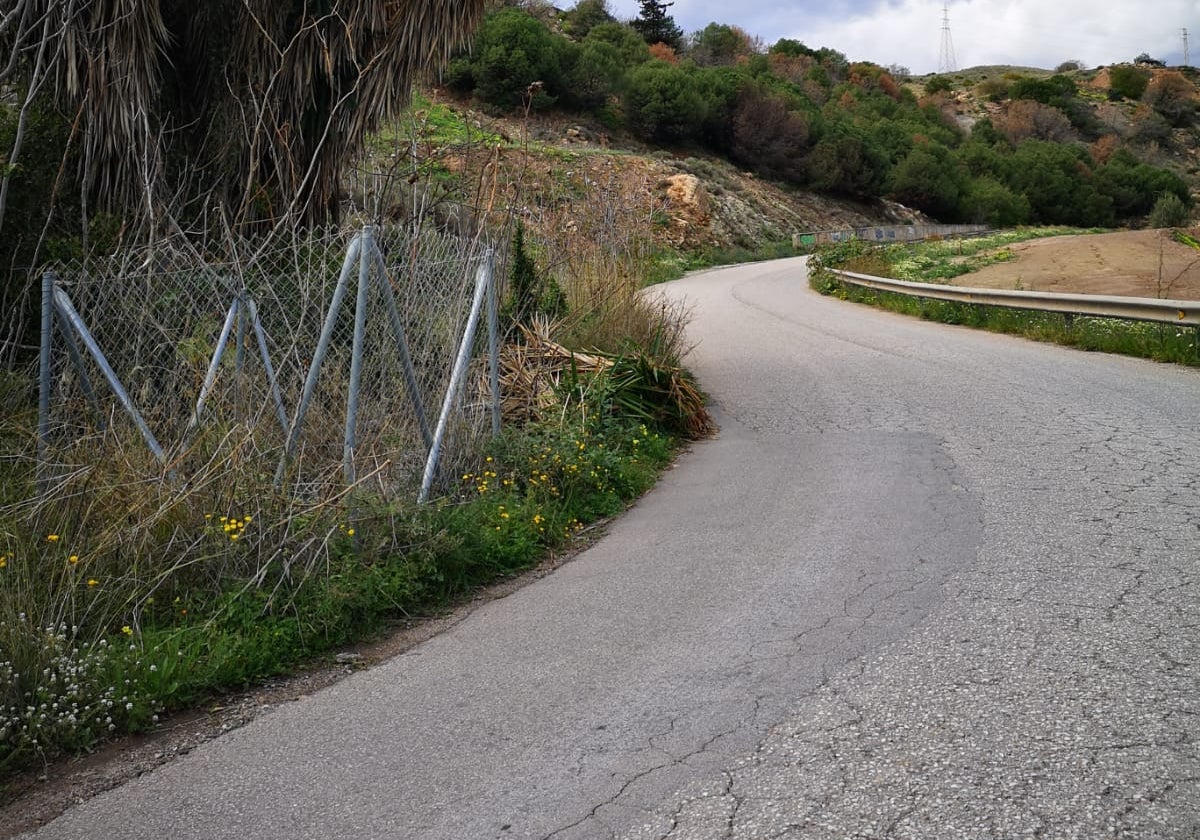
(1140, 263)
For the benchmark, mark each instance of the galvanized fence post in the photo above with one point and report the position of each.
(85, 381)
(356, 353)
(482, 278)
(45, 374)
(210, 376)
(63, 302)
(265, 353)
(493, 314)
(406, 362)
(314, 369)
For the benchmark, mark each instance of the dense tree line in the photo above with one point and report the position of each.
(814, 119)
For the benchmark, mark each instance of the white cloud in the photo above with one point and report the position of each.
(1019, 32)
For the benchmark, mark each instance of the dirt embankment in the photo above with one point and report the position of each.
(1141, 263)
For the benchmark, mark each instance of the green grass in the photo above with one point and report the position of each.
(668, 264)
(936, 261)
(88, 653)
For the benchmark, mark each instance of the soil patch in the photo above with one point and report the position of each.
(1139, 263)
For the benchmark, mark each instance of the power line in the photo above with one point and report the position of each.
(946, 60)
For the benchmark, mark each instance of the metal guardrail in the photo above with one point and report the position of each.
(1103, 306)
(886, 234)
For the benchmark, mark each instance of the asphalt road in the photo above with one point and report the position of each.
(927, 583)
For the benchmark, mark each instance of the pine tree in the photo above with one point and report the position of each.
(656, 26)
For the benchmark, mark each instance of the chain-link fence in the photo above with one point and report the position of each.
(329, 358)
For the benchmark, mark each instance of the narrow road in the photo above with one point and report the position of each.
(927, 583)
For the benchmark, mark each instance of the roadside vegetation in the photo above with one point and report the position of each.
(944, 260)
(124, 598)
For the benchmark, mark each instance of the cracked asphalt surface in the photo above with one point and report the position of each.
(928, 582)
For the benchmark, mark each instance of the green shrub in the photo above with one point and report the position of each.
(598, 73)
(989, 202)
(1128, 82)
(513, 51)
(629, 44)
(927, 180)
(530, 293)
(1051, 91)
(846, 161)
(585, 16)
(1169, 211)
(1058, 184)
(938, 84)
(664, 104)
(1134, 187)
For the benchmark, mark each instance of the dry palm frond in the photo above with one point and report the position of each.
(256, 103)
(533, 372)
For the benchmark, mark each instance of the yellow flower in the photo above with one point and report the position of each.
(93, 582)
(52, 538)
(233, 536)
(3, 562)
(350, 532)
(245, 519)
(504, 515)
(73, 559)
(222, 518)
(208, 516)
(127, 630)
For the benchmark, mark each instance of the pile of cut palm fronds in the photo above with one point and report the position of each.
(537, 374)
(539, 378)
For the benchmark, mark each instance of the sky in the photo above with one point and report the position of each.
(1028, 33)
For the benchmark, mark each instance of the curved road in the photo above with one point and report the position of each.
(928, 582)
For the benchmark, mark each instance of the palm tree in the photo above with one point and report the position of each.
(253, 106)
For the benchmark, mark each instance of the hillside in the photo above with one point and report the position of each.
(985, 93)
(721, 142)
(555, 170)
(558, 168)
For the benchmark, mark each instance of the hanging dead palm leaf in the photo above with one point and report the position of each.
(253, 105)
